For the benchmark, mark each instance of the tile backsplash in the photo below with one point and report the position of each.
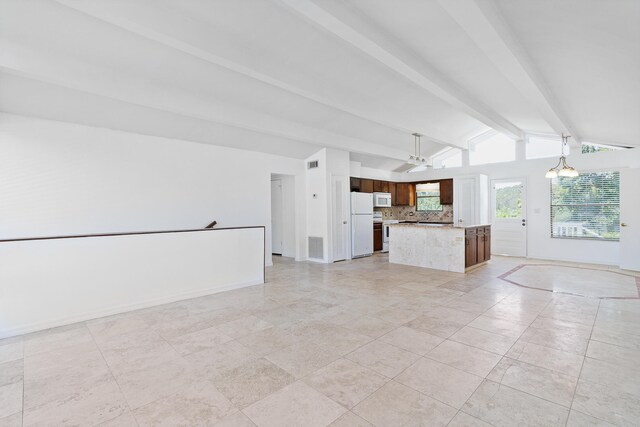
(409, 213)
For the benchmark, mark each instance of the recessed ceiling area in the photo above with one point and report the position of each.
(291, 76)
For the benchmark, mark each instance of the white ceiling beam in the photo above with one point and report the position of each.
(363, 36)
(483, 22)
(215, 113)
(120, 20)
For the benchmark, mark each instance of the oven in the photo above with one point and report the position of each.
(385, 234)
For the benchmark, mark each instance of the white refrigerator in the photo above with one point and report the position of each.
(361, 224)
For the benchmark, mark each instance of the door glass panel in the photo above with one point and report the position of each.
(508, 203)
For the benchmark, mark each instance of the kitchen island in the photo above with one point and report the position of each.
(439, 246)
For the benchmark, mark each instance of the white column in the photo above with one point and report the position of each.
(521, 149)
(465, 158)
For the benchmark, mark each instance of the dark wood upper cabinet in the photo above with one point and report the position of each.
(355, 184)
(380, 186)
(446, 191)
(392, 190)
(405, 194)
(366, 185)
(402, 193)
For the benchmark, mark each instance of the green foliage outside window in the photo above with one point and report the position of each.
(586, 207)
(509, 202)
(428, 197)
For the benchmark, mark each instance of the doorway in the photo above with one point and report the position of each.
(283, 216)
(509, 217)
(277, 217)
(630, 219)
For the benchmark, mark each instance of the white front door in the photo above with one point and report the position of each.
(509, 217)
(276, 217)
(340, 217)
(630, 219)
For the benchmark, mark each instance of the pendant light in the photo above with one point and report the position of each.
(562, 168)
(416, 159)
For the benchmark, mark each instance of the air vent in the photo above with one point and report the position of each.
(316, 250)
(312, 164)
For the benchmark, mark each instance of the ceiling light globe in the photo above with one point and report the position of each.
(552, 173)
(565, 172)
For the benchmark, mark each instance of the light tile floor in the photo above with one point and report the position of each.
(356, 343)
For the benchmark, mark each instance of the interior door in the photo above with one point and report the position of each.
(508, 217)
(630, 219)
(277, 212)
(340, 217)
(464, 212)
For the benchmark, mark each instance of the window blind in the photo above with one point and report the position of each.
(586, 207)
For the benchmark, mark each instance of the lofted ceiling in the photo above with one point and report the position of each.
(290, 76)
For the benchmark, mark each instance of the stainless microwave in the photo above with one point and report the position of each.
(381, 200)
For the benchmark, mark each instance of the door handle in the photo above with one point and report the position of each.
(344, 222)
(623, 224)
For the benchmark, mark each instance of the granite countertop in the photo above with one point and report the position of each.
(422, 224)
(437, 225)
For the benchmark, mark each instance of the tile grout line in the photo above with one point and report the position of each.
(93, 338)
(575, 390)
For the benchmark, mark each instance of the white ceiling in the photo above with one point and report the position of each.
(290, 76)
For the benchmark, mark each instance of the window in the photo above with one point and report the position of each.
(590, 147)
(586, 207)
(508, 202)
(451, 158)
(539, 147)
(493, 149)
(428, 197)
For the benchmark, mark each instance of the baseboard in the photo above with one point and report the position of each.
(317, 260)
(109, 311)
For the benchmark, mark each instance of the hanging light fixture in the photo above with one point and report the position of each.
(416, 159)
(562, 168)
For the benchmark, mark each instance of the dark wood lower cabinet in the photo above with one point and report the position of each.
(487, 244)
(471, 248)
(377, 236)
(477, 242)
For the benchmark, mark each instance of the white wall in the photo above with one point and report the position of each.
(59, 178)
(338, 165)
(539, 243)
(331, 162)
(47, 283)
(360, 171)
(316, 200)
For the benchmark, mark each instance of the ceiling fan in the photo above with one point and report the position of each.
(416, 162)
